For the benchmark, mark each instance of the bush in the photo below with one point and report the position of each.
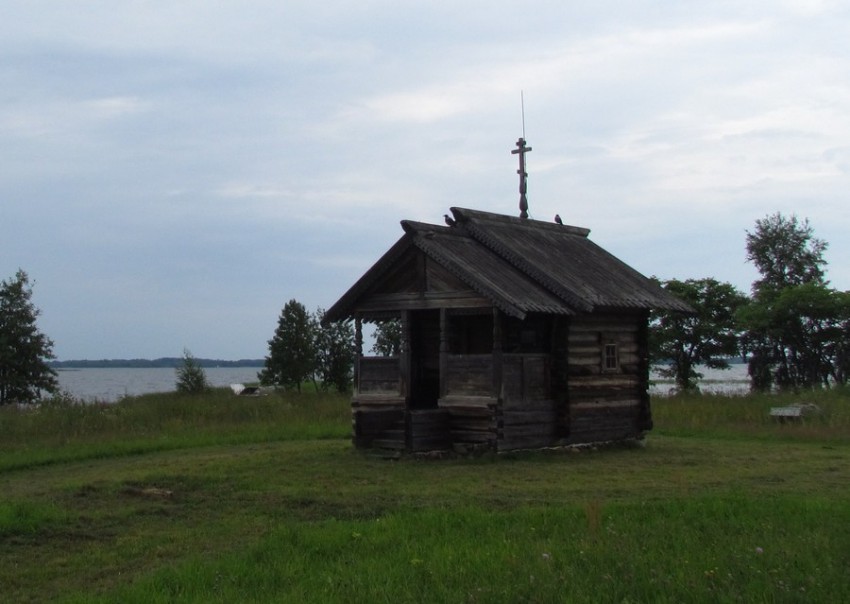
(191, 378)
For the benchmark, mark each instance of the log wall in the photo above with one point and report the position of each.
(469, 375)
(605, 404)
(378, 409)
(379, 376)
(567, 397)
(527, 417)
(472, 421)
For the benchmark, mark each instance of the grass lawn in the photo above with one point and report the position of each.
(221, 499)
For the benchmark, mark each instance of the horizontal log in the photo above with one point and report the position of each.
(583, 338)
(599, 436)
(600, 322)
(537, 404)
(473, 423)
(605, 404)
(431, 444)
(460, 403)
(421, 301)
(380, 388)
(545, 431)
(591, 397)
(380, 402)
(510, 443)
(603, 415)
(519, 418)
(472, 436)
(605, 380)
(384, 443)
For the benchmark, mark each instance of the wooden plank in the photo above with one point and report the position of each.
(527, 405)
(469, 375)
(545, 430)
(529, 417)
(482, 404)
(606, 380)
(629, 403)
(472, 436)
(510, 443)
(421, 301)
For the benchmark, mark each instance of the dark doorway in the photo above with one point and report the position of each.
(424, 359)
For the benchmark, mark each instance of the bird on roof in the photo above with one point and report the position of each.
(558, 219)
(449, 220)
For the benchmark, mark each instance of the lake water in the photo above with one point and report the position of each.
(717, 381)
(109, 385)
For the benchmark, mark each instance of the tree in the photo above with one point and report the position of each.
(24, 350)
(387, 338)
(786, 253)
(707, 337)
(292, 350)
(798, 337)
(191, 378)
(334, 353)
(795, 324)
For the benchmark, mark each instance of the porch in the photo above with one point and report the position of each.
(495, 401)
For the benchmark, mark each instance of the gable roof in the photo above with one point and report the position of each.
(520, 266)
(566, 262)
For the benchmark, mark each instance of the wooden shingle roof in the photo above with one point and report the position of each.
(566, 262)
(520, 265)
(506, 286)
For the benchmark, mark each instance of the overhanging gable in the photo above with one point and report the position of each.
(562, 259)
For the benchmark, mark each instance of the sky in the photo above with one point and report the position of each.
(172, 173)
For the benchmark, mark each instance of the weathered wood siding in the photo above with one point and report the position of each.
(527, 417)
(378, 409)
(379, 376)
(469, 375)
(469, 400)
(568, 396)
(428, 430)
(378, 427)
(472, 421)
(605, 404)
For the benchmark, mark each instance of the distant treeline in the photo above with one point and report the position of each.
(166, 362)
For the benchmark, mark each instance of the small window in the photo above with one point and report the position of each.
(611, 360)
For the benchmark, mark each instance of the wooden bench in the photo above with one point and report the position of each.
(794, 413)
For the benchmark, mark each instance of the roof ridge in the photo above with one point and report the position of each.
(482, 216)
(523, 265)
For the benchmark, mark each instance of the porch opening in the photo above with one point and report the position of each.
(424, 359)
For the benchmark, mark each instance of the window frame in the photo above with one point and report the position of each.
(610, 357)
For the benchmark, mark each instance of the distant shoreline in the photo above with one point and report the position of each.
(166, 362)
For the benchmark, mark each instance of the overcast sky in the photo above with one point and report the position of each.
(172, 173)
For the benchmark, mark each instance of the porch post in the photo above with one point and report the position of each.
(358, 351)
(404, 359)
(444, 350)
(497, 353)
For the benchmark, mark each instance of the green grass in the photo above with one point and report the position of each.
(749, 416)
(63, 430)
(227, 499)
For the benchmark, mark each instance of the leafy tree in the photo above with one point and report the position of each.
(798, 337)
(292, 350)
(24, 350)
(334, 353)
(191, 377)
(708, 336)
(387, 338)
(786, 253)
(795, 325)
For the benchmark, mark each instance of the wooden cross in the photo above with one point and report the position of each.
(523, 176)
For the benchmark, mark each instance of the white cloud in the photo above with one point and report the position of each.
(181, 147)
